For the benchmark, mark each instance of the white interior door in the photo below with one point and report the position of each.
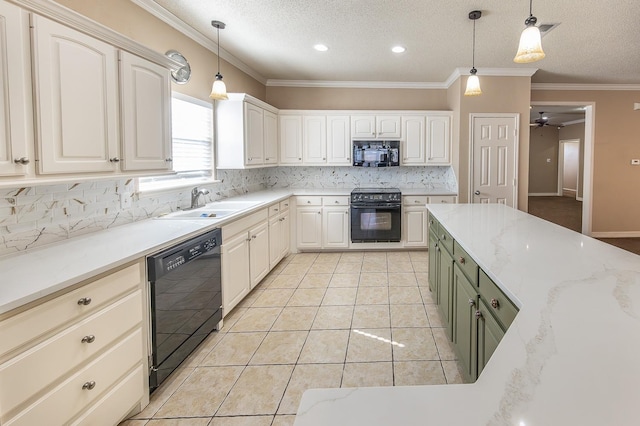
(494, 159)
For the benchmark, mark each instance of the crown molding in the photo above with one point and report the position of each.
(490, 72)
(568, 86)
(73, 19)
(178, 24)
(355, 84)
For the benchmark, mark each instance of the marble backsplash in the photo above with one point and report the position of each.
(38, 215)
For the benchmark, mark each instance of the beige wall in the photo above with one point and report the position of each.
(126, 18)
(499, 95)
(616, 184)
(338, 98)
(576, 131)
(543, 145)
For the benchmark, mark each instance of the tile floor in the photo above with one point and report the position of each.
(317, 320)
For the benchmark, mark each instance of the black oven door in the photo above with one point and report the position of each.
(376, 223)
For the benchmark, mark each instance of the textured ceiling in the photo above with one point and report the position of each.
(597, 41)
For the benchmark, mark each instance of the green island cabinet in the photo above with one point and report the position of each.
(475, 311)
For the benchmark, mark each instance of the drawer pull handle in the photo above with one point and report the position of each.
(88, 339)
(337, 202)
(478, 315)
(84, 301)
(495, 304)
(114, 160)
(462, 260)
(417, 201)
(472, 302)
(308, 201)
(89, 385)
(22, 160)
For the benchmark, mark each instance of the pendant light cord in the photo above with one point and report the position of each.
(530, 7)
(473, 54)
(218, 28)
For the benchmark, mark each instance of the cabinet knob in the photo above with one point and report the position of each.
(462, 260)
(250, 158)
(443, 237)
(478, 315)
(308, 201)
(472, 302)
(319, 212)
(253, 237)
(417, 201)
(477, 192)
(249, 239)
(168, 160)
(22, 160)
(275, 210)
(337, 202)
(346, 212)
(89, 385)
(299, 158)
(84, 301)
(495, 304)
(348, 159)
(268, 158)
(88, 339)
(114, 160)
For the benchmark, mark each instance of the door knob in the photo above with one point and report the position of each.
(477, 192)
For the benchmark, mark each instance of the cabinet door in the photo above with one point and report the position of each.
(286, 233)
(76, 100)
(415, 227)
(388, 126)
(314, 139)
(16, 125)
(275, 240)
(445, 288)
(290, 139)
(335, 227)
(413, 129)
(254, 134)
(434, 263)
(235, 271)
(439, 139)
(489, 335)
(338, 140)
(309, 227)
(465, 330)
(259, 253)
(270, 138)
(363, 126)
(146, 114)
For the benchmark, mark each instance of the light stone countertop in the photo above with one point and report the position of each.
(569, 358)
(39, 272)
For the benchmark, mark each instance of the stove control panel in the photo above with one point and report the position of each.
(388, 197)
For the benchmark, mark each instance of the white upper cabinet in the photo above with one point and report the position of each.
(338, 140)
(76, 100)
(439, 139)
(290, 139)
(16, 127)
(246, 131)
(314, 140)
(146, 114)
(413, 151)
(386, 126)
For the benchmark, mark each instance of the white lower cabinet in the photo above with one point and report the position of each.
(415, 218)
(259, 265)
(63, 359)
(278, 232)
(322, 222)
(236, 281)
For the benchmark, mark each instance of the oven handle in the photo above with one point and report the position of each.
(377, 206)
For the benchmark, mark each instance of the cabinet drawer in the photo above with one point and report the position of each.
(434, 225)
(499, 304)
(466, 263)
(335, 201)
(65, 401)
(274, 209)
(446, 240)
(309, 201)
(442, 199)
(284, 205)
(34, 370)
(27, 326)
(415, 200)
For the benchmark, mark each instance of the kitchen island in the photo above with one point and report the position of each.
(569, 357)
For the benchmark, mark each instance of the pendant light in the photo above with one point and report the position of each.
(473, 83)
(219, 89)
(530, 47)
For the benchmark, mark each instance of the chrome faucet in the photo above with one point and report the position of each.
(195, 196)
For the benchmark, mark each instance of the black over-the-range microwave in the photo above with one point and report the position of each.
(376, 153)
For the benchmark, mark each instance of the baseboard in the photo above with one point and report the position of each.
(628, 234)
(543, 194)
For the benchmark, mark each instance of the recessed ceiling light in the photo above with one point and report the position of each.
(321, 47)
(398, 49)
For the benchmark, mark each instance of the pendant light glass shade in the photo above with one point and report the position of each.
(530, 47)
(219, 89)
(473, 84)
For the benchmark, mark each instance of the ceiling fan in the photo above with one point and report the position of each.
(540, 121)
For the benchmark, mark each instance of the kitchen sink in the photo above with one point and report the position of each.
(199, 214)
(233, 205)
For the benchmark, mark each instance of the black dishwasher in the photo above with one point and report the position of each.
(186, 299)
